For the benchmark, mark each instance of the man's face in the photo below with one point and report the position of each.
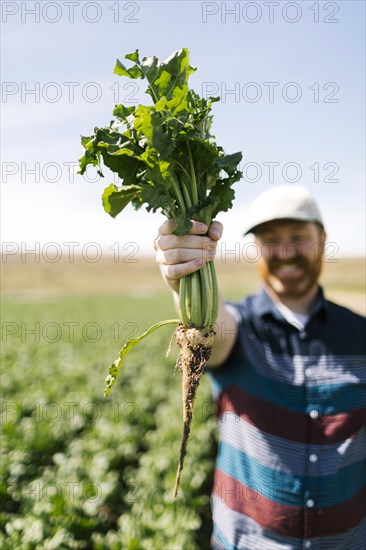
(291, 256)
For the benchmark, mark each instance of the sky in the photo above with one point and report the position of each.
(291, 79)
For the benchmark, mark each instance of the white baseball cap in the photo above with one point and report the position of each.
(292, 202)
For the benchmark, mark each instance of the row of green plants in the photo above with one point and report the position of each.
(83, 471)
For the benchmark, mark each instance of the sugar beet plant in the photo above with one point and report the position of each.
(168, 160)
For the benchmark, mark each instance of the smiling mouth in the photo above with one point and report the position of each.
(288, 270)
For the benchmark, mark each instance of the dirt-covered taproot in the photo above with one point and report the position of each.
(195, 350)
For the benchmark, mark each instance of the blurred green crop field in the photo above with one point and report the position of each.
(83, 471)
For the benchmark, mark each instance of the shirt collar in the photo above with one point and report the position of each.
(263, 304)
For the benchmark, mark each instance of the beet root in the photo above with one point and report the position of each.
(195, 350)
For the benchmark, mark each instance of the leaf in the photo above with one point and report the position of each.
(85, 160)
(123, 112)
(150, 67)
(90, 156)
(178, 67)
(177, 102)
(207, 212)
(223, 194)
(133, 72)
(115, 367)
(163, 78)
(229, 163)
(150, 124)
(134, 56)
(158, 171)
(126, 167)
(183, 223)
(156, 176)
(116, 199)
(86, 141)
(157, 200)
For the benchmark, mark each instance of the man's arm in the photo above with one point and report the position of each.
(178, 256)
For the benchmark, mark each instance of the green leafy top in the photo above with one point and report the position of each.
(164, 153)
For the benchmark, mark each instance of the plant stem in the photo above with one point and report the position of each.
(186, 195)
(215, 294)
(193, 177)
(196, 306)
(127, 346)
(184, 292)
(206, 285)
(178, 195)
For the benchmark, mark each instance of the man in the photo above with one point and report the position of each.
(287, 369)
